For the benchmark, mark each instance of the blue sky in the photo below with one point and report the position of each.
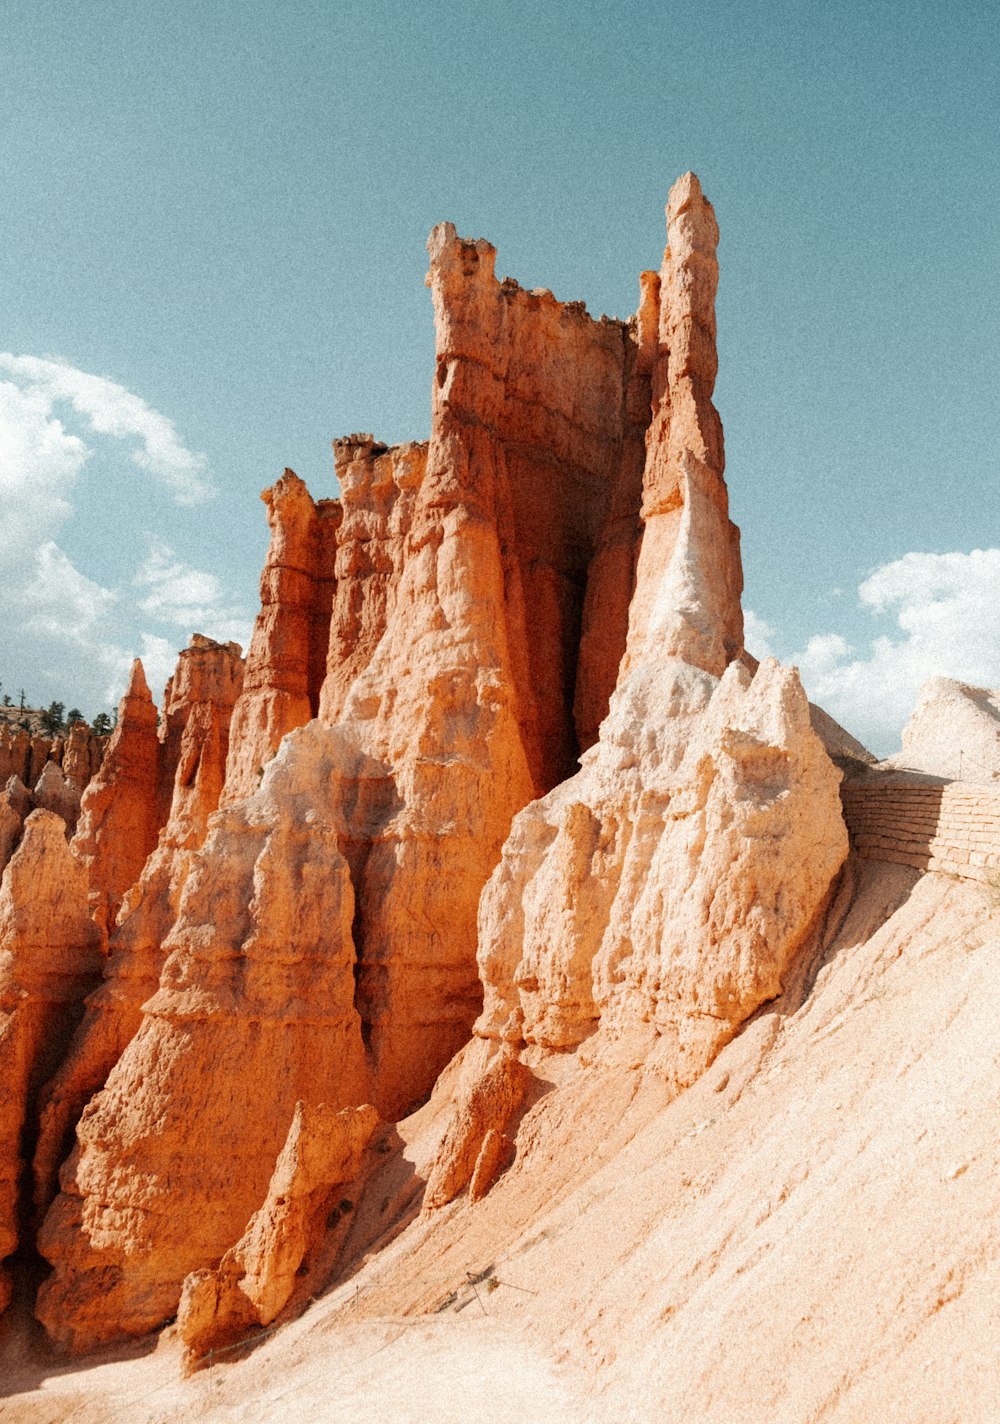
(220, 210)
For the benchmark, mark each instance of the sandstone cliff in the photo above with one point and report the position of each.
(122, 815)
(556, 569)
(287, 657)
(459, 579)
(646, 907)
(717, 1074)
(49, 959)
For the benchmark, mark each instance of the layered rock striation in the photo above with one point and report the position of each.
(646, 907)
(134, 885)
(255, 1011)
(287, 657)
(53, 772)
(378, 491)
(49, 959)
(555, 570)
(457, 594)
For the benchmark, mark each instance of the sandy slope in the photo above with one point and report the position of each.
(811, 1232)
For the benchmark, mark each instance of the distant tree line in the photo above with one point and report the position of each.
(56, 721)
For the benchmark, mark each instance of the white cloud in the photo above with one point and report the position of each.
(758, 635)
(188, 598)
(64, 603)
(39, 464)
(945, 606)
(71, 616)
(110, 409)
(159, 659)
(67, 634)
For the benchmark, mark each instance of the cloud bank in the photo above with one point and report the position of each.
(70, 633)
(110, 409)
(942, 619)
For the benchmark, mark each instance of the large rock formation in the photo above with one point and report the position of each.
(119, 813)
(255, 1012)
(494, 598)
(49, 959)
(647, 906)
(26, 755)
(287, 657)
(460, 585)
(122, 814)
(953, 731)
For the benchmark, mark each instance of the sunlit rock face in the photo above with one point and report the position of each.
(122, 813)
(555, 571)
(49, 959)
(649, 904)
(334, 899)
(286, 661)
(119, 820)
(954, 731)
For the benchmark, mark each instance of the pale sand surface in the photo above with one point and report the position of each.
(810, 1233)
(457, 1371)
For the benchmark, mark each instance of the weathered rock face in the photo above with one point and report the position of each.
(378, 490)
(119, 822)
(647, 906)
(954, 731)
(491, 1089)
(287, 657)
(255, 1012)
(255, 1279)
(49, 959)
(537, 391)
(689, 579)
(26, 756)
(494, 598)
(465, 708)
(122, 815)
(460, 584)
(82, 754)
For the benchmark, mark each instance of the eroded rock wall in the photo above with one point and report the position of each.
(54, 770)
(378, 492)
(558, 560)
(49, 959)
(287, 657)
(460, 579)
(123, 815)
(648, 905)
(255, 1011)
(540, 390)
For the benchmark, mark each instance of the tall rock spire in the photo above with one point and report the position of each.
(689, 578)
